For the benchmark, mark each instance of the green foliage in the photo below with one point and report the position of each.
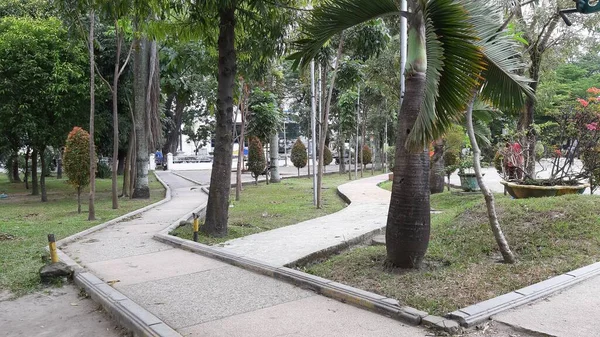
(391, 157)
(367, 155)
(256, 157)
(265, 117)
(327, 156)
(44, 88)
(76, 158)
(299, 157)
(103, 171)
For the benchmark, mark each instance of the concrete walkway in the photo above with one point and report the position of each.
(198, 296)
(282, 246)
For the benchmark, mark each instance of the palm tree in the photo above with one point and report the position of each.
(444, 64)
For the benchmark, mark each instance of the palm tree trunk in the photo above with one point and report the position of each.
(408, 224)
(217, 209)
(325, 123)
(487, 194)
(91, 208)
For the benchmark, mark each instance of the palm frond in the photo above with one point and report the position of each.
(331, 18)
(453, 64)
(502, 86)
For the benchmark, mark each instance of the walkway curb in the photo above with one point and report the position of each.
(482, 311)
(341, 292)
(96, 228)
(127, 313)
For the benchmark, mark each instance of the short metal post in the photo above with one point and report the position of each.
(196, 226)
(52, 246)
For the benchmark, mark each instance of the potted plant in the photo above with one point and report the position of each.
(576, 135)
(468, 180)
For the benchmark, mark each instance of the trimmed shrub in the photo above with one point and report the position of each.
(299, 157)
(76, 160)
(366, 155)
(256, 158)
(103, 171)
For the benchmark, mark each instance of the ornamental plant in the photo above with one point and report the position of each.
(256, 158)
(579, 137)
(366, 156)
(299, 157)
(76, 162)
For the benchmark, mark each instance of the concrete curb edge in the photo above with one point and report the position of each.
(77, 236)
(126, 312)
(485, 310)
(341, 292)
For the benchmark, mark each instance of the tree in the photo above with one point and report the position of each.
(256, 158)
(262, 26)
(75, 161)
(42, 69)
(299, 157)
(439, 30)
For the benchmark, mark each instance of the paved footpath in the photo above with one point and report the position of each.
(285, 245)
(199, 296)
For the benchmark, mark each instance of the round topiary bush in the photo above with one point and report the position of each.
(256, 158)
(299, 157)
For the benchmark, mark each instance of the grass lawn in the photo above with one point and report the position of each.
(28, 221)
(265, 207)
(549, 236)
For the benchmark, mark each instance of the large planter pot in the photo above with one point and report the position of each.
(468, 182)
(519, 191)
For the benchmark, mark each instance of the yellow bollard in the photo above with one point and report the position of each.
(196, 226)
(52, 245)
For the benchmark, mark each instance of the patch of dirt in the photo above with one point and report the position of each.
(56, 312)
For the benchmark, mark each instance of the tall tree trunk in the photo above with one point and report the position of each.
(140, 89)
(59, 165)
(91, 208)
(15, 167)
(27, 156)
(115, 108)
(121, 158)
(240, 162)
(341, 151)
(408, 223)
(274, 152)
(487, 194)
(217, 208)
(44, 173)
(34, 174)
(78, 199)
(436, 171)
(325, 123)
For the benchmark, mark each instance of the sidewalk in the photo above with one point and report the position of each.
(282, 246)
(198, 296)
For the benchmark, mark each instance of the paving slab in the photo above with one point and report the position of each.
(572, 313)
(209, 295)
(314, 316)
(152, 266)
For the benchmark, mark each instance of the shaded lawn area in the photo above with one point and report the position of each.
(264, 207)
(29, 221)
(549, 236)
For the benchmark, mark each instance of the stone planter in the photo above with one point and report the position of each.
(468, 182)
(391, 176)
(519, 191)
